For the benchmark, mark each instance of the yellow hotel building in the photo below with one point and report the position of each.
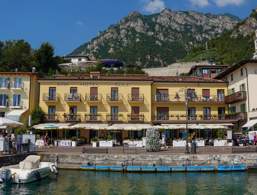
(132, 99)
(18, 95)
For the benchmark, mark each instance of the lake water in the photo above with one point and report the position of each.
(81, 182)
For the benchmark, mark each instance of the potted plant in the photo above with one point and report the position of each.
(94, 142)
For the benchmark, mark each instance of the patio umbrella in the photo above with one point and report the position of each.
(9, 123)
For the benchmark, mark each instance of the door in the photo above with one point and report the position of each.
(163, 113)
(220, 95)
(135, 110)
(51, 112)
(114, 94)
(17, 83)
(192, 113)
(162, 94)
(207, 113)
(135, 93)
(74, 93)
(191, 94)
(206, 94)
(114, 113)
(52, 93)
(93, 113)
(16, 100)
(221, 113)
(93, 93)
(3, 99)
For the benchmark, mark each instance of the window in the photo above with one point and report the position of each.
(242, 72)
(4, 82)
(17, 83)
(52, 93)
(93, 93)
(205, 72)
(221, 113)
(162, 94)
(192, 113)
(135, 110)
(135, 93)
(3, 99)
(220, 94)
(206, 94)
(16, 100)
(191, 95)
(73, 90)
(242, 108)
(73, 110)
(51, 110)
(114, 113)
(114, 94)
(93, 113)
(242, 87)
(231, 77)
(163, 113)
(232, 109)
(207, 113)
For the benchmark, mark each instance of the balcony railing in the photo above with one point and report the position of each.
(114, 98)
(237, 116)
(93, 118)
(210, 99)
(50, 98)
(72, 97)
(136, 118)
(135, 98)
(162, 98)
(176, 118)
(235, 97)
(51, 118)
(93, 98)
(114, 117)
(72, 117)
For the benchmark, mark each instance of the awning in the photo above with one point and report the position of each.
(15, 115)
(250, 124)
(90, 126)
(52, 126)
(173, 126)
(195, 126)
(9, 123)
(130, 127)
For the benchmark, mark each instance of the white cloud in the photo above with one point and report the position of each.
(80, 23)
(200, 3)
(223, 3)
(154, 6)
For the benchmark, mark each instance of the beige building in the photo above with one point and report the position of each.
(18, 95)
(242, 89)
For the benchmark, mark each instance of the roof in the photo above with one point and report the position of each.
(206, 66)
(134, 77)
(19, 73)
(234, 67)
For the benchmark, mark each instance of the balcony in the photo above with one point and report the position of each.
(207, 100)
(3, 106)
(135, 99)
(72, 98)
(237, 116)
(114, 118)
(51, 118)
(48, 98)
(114, 98)
(164, 118)
(93, 118)
(136, 118)
(72, 117)
(93, 98)
(162, 98)
(235, 97)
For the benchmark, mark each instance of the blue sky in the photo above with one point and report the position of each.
(68, 23)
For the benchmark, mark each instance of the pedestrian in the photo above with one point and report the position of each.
(255, 139)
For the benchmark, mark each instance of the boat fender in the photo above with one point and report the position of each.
(5, 176)
(54, 169)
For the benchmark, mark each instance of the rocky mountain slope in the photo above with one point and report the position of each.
(158, 39)
(232, 46)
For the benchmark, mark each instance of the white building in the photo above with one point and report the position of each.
(78, 62)
(242, 90)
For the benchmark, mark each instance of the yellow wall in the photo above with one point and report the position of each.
(148, 89)
(177, 108)
(104, 89)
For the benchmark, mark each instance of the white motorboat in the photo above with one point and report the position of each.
(27, 171)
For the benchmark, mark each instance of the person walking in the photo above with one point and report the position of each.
(255, 139)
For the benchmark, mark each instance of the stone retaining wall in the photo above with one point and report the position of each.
(149, 159)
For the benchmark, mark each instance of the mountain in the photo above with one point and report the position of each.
(230, 47)
(158, 39)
